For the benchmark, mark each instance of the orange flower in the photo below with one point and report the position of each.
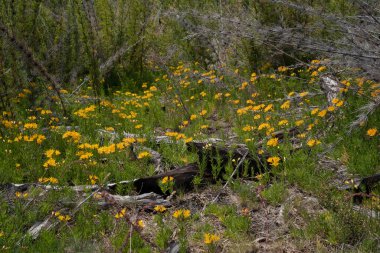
(274, 161)
(372, 132)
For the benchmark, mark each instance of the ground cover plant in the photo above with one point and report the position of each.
(176, 126)
(111, 139)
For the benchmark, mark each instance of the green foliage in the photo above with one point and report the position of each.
(235, 224)
(275, 194)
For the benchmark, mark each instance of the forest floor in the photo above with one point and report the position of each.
(195, 161)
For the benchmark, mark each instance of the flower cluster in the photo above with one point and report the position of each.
(181, 214)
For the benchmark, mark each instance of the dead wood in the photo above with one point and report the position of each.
(331, 87)
(361, 187)
(150, 199)
(211, 153)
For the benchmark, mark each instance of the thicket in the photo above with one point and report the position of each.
(109, 43)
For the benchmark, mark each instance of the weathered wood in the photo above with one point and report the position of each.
(331, 87)
(183, 178)
(148, 199)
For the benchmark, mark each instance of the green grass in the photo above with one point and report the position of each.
(231, 116)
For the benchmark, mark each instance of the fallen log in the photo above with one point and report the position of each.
(147, 199)
(182, 177)
(211, 152)
(361, 185)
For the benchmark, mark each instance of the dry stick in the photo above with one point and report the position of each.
(229, 179)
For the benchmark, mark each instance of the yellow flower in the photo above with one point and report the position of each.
(210, 238)
(247, 128)
(48, 180)
(83, 113)
(182, 214)
(269, 131)
(30, 126)
(259, 176)
(8, 124)
(46, 112)
(50, 152)
(314, 111)
(299, 122)
(283, 122)
(138, 126)
(50, 163)
(203, 94)
(186, 213)
(165, 180)
(171, 134)
(242, 111)
(269, 107)
(331, 108)
(21, 195)
(73, 135)
(121, 214)
(177, 214)
(313, 142)
(143, 154)
(53, 180)
(107, 149)
(203, 112)
(243, 85)
(322, 113)
(371, 132)
(93, 179)
(263, 125)
(160, 208)
(193, 117)
(272, 142)
(218, 96)
(140, 223)
(285, 105)
(257, 116)
(64, 217)
(121, 145)
(88, 146)
(274, 161)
